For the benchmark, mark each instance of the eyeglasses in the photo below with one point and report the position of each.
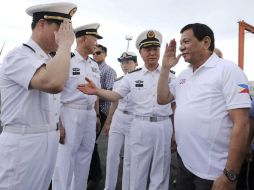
(97, 53)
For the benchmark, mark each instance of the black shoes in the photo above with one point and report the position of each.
(93, 183)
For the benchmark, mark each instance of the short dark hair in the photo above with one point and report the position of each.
(200, 31)
(102, 47)
(34, 22)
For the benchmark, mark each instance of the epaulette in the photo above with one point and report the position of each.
(52, 54)
(93, 59)
(173, 72)
(29, 47)
(119, 78)
(139, 69)
(72, 55)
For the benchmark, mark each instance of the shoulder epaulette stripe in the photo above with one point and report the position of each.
(52, 54)
(135, 70)
(29, 47)
(93, 59)
(72, 54)
(119, 78)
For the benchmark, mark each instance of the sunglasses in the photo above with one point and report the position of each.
(97, 53)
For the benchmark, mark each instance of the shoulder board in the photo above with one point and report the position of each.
(173, 72)
(93, 59)
(139, 69)
(29, 47)
(119, 78)
(72, 54)
(52, 54)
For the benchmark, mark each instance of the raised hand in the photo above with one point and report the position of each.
(88, 88)
(169, 59)
(65, 35)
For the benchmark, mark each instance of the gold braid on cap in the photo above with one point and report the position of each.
(54, 17)
(94, 33)
(149, 43)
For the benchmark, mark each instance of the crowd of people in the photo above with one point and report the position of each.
(55, 103)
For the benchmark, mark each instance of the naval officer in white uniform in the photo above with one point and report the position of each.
(28, 78)
(78, 115)
(151, 128)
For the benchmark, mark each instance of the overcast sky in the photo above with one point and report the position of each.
(119, 18)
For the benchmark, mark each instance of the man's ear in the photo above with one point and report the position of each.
(41, 23)
(207, 42)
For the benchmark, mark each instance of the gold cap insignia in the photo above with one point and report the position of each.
(150, 34)
(125, 54)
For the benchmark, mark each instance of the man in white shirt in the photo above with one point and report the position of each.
(211, 117)
(28, 78)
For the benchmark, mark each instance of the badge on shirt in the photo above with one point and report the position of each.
(139, 83)
(243, 88)
(182, 81)
(94, 69)
(75, 71)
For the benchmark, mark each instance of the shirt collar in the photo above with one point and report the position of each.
(103, 64)
(79, 56)
(210, 62)
(145, 70)
(37, 49)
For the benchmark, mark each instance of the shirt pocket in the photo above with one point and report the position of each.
(75, 80)
(139, 94)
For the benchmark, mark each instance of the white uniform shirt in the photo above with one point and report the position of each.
(143, 87)
(80, 69)
(126, 103)
(202, 123)
(22, 106)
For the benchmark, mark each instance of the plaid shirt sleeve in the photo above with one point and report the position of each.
(110, 78)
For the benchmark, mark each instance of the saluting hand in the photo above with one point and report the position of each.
(65, 35)
(88, 88)
(169, 58)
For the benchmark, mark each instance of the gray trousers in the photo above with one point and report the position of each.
(188, 181)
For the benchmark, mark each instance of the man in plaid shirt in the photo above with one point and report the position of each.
(107, 78)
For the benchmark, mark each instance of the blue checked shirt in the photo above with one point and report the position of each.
(108, 76)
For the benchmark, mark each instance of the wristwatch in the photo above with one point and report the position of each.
(231, 175)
